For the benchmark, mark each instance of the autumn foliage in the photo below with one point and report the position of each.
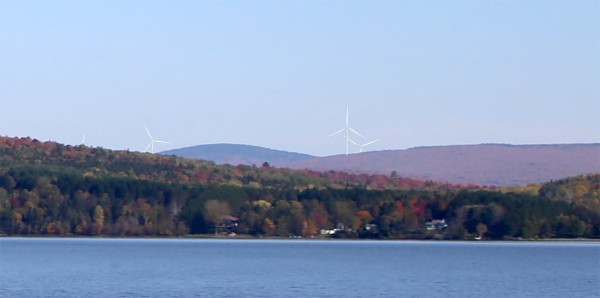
(52, 189)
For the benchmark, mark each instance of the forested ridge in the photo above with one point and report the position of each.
(48, 188)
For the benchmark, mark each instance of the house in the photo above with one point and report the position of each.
(436, 225)
(328, 232)
(340, 227)
(230, 222)
(371, 228)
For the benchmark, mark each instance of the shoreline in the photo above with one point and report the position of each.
(248, 237)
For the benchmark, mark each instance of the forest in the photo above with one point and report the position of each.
(48, 188)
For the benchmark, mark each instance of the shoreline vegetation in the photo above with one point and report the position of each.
(50, 189)
(299, 238)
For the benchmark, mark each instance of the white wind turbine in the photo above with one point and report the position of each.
(152, 141)
(83, 140)
(363, 145)
(347, 129)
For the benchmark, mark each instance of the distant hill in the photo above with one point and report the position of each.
(235, 154)
(486, 164)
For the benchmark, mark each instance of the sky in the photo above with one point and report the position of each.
(281, 74)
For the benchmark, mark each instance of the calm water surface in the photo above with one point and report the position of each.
(38, 267)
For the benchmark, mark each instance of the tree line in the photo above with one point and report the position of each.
(77, 190)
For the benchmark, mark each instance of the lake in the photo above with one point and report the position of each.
(96, 267)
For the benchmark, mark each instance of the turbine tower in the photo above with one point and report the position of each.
(83, 140)
(152, 141)
(346, 129)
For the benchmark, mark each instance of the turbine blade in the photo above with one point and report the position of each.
(354, 131)
(148, 132)
(146, 150)
(371, 142)
(335, 133)
(156, 141)
(353, 142)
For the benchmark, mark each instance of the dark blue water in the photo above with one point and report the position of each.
(289, 268)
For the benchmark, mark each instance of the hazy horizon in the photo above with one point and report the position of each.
(280, 74)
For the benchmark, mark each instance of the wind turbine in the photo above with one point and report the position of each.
(152, 141)
(363, 145)
(347, 129)
(83, 140)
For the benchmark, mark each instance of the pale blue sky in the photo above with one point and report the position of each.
(280, 74)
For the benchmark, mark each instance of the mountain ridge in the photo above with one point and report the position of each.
(234, 154)
(483, 164)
